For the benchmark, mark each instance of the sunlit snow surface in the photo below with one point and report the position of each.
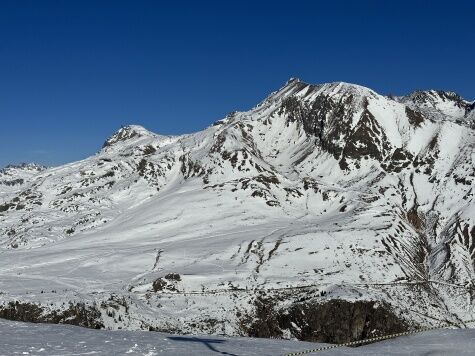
(46, 339)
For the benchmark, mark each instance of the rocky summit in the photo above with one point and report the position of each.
(326, 213)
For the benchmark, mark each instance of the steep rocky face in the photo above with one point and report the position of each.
(334, 321)
(79, 314)
(367, 140)
(320, 193)
(340, 321)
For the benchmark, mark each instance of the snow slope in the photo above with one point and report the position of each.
(319, 193)
(40, 339)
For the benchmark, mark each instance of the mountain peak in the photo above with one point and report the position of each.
(292, 80)
(295, 85)
(292, 83)
(24, 167)
(344, 87)
(431, 96)
(440, 103)
(127, 132)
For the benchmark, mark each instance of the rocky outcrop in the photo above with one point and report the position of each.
(333, 321)
(76, 314)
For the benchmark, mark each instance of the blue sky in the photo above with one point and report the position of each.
(73, 71)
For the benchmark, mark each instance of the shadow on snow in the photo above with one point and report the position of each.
(207, 342)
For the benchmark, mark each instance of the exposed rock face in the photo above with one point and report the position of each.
(78, 314)
(169, 282)
(339, 321)
(333, 321)
(264, 322)
(415, 117)
(366, 141)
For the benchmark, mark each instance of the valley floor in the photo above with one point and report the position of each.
(46, 339)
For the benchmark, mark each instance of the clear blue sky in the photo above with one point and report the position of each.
(73, 71)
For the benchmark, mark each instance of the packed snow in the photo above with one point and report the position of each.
(44, 339)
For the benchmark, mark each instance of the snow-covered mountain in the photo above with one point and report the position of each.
(326, 213)
(13, 176)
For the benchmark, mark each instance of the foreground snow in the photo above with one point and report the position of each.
(46, 339)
